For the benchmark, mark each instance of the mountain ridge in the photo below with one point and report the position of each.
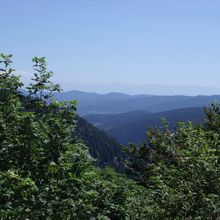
(115, 103)
(133, 130)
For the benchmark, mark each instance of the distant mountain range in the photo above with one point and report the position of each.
(127, 117)
(131, 127)
(115, 103)
(153, 89)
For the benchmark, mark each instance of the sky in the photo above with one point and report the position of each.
(131, 42)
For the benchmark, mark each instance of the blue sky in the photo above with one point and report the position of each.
(132, 42)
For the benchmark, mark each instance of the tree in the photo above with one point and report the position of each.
(44, 172)
(181, 169)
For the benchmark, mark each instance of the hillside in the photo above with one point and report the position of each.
(115, 103)
(103, 148)
(132, 127)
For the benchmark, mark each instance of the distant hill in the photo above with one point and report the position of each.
(131, 127)
(90, 97)
(115, 103)
(153, 89)
(107, 122)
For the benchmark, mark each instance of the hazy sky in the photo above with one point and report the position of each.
(116, 41)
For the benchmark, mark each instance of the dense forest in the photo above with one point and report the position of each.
(103, 148)
(47, 172)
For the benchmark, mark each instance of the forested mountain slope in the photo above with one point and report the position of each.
(132, 127)
(102, 147)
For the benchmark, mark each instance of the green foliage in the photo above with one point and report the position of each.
(42, 81)
(8, 81)
(17, 196)
(44, 172)
(103, 148)
(181, 169)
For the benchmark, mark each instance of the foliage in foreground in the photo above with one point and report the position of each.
(182, 169)
(44, 173)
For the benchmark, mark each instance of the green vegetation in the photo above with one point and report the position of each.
(47, 173)
(103, 148)
(182, 169)
(44, 173)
